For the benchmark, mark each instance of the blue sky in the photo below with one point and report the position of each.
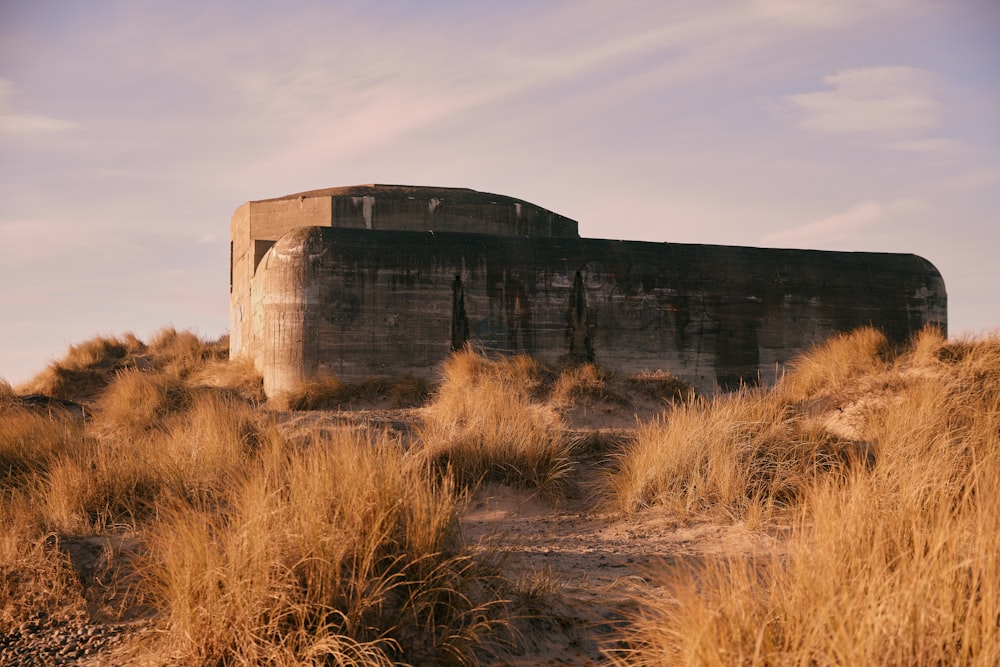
(129, 131)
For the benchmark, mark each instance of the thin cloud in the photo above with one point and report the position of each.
(891, 100)
(329, 114)
(933, 145)
(29, 241)
(26, 123)
(810, 14)
(977, 179)
(843, 226)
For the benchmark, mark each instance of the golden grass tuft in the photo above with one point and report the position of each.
(7, 393)
(739, 454)
(468, 369)
(137, 402)
(342, 553)
(102, 352)
(235, 375)
(36, 578)
(582, 382)
(485, 424)
(329, 393)
(180, 353)
(891, 564)
(31, 440)
(824, 369)
(87, 368)
(116, 478)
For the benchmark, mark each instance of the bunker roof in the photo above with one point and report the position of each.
(418, 207)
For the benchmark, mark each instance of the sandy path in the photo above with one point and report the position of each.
(592, 568)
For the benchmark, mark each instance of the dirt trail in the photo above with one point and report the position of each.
(590, 569)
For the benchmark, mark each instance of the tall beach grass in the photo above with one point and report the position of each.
(890, 564)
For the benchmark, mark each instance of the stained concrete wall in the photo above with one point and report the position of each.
(364, 302)
(256, 225)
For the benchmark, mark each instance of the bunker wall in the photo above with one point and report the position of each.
(360, 303)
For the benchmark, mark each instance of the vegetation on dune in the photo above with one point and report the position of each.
(891, 563)
(257, 550)
(344, 553)
(739, 456)
(330, 393)
(485, 423)
(876, 466)
(833, 363)
(90, 367)
(503, 419)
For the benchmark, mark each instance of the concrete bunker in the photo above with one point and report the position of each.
(381, 280)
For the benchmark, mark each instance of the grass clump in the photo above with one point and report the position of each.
(329, 393)
(344, 553)
(90, 367)
(582, 382)
(181, 353)
(30, 440)
(485, 423)
(7, 393)
(827, 367)
(36, 578)
(86, 369)
(739, 454)
(117, 478)
(238, 376)
(892, 563)
(137, 402)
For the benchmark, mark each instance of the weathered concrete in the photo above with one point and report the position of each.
(398, 294)
(257, 225)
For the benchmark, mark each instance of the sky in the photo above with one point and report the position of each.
(130, 131)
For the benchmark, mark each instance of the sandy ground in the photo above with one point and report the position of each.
(592, 568)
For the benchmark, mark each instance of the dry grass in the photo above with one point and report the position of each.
(181, 353)
(36, 579)
(344, 553)
(660, 385)
(238, 376)
(259, 551)
(88, 368)
(329, 393)
(30, 440)
(828, 366)
(153, 430)
(346, 550)
(582, 382)
(116, 479)
(484, 423)
(137, 402)
(7, 393)
(893, 564)
(739, 455)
